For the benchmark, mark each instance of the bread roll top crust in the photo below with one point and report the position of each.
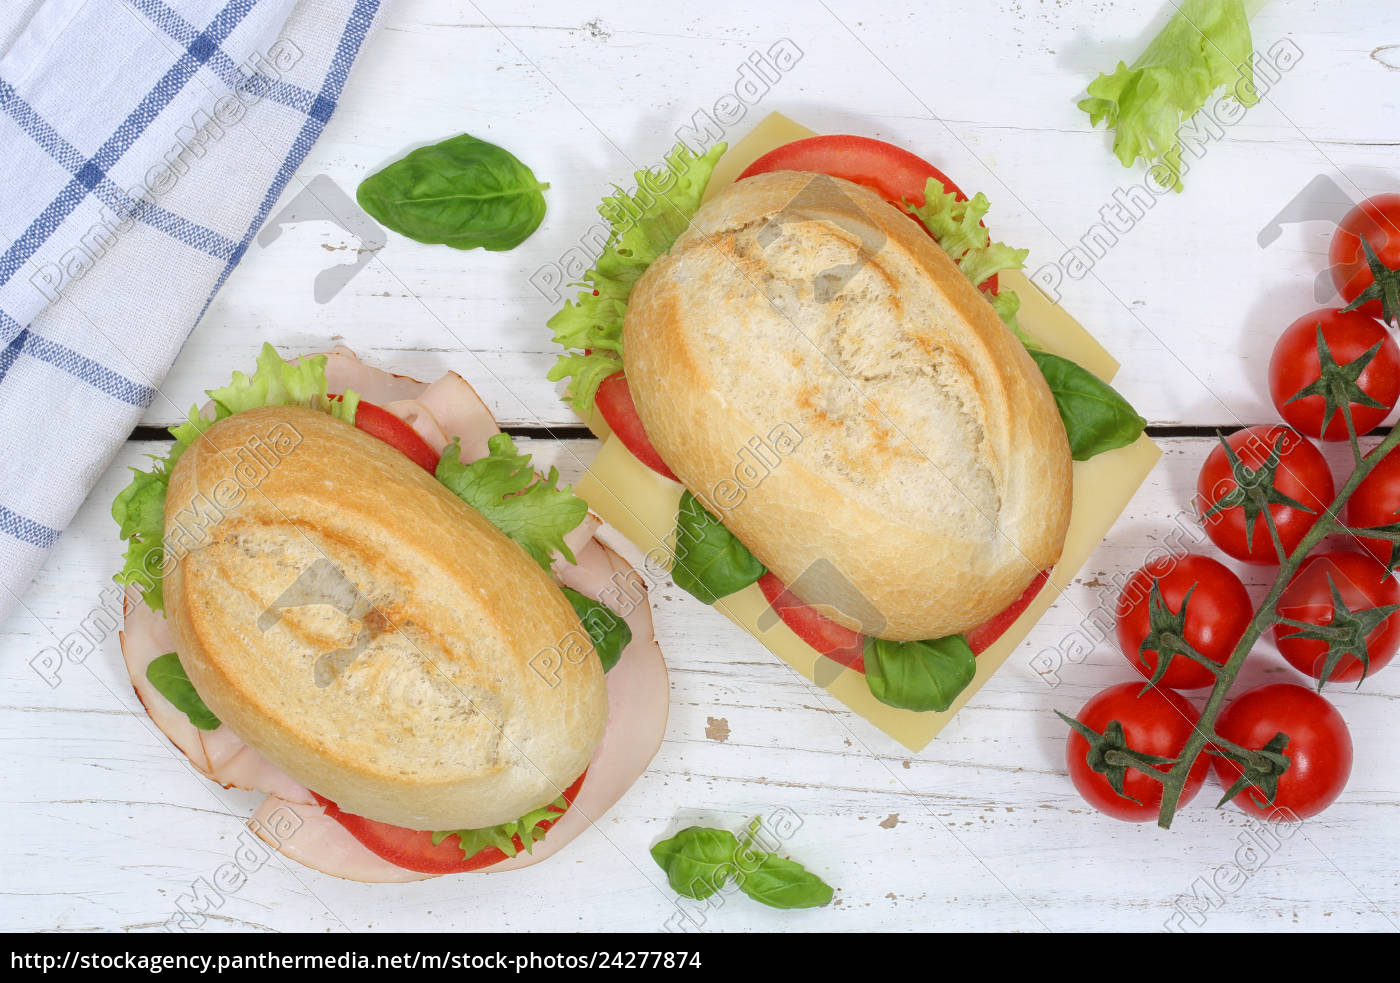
(930, 478)
(368, 632)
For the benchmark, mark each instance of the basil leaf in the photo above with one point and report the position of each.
(710, 561)
(605, 627)
(464, 193)
(919, 676)
(698, 861)
(168, 676)
(782, 883)
(1096, 418)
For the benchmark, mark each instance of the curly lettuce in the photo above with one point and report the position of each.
(1205, 45)
(645, 223)
(139, 509)
(504, 488)
(958, 228)
(502, 837)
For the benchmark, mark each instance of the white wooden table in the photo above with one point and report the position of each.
(105, 826)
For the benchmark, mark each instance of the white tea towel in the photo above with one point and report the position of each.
(142, 145)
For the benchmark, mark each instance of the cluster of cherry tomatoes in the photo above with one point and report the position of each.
(1350, 357)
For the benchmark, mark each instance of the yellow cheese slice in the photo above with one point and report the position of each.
(643, 505)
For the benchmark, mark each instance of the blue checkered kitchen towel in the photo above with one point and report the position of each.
(142, 144)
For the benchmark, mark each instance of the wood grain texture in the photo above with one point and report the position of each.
(106, 827)
(980, 831)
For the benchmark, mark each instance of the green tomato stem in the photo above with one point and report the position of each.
(1174, 781)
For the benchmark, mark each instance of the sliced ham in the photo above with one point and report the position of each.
(639, 699)
(461, 413)
(145, 637)
(321, 843)
(638, 703)
(421, 419)
(344, 370)
(289, 819)
(219, 754)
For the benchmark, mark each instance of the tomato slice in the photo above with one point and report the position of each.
(982, 637)
(379, 422)
(614, 401)
(891, 172)
(836, 642)
(412, 849)
(847, 647)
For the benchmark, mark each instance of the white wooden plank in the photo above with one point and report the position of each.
(107, 827)
(1187, 299)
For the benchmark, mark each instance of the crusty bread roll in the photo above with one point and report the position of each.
(932, 477)
(402, 691)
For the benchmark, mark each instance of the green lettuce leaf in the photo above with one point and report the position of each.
(1195, 54)
(503, 487)
(957, 227)
(502, 837)
(608, 631)
(645, 223)
(167, 675)
(139, 508)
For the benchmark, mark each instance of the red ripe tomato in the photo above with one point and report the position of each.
(1377, 220)
(413, 849)
(1159, 722)
(614, 401)
(1301, 475)
(379, 422)
(1318, 749)
(984, 635)
(1363, 583)
(1349, 336)
(1376, 502)
(834, 641)
(847, 647)
(1217, 614)
(892, 172)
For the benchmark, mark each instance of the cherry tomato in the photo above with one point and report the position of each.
(1217, 614)
(413, 849)
(1363, 583)
(1349, 336)
(379, 422)
(1376, 502)
(1318, 749)
(1158, 723)
(1301, 475)
(614, 401)
(1377, 220)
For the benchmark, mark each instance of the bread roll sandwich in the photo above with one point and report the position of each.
(835, 314)
(348, 590)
